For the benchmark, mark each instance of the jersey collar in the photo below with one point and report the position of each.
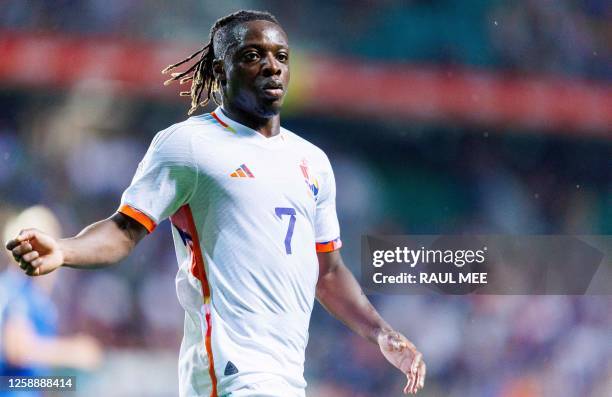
(242, 129)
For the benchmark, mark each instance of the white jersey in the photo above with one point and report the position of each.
(247, 213)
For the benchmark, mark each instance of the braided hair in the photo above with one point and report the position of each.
(201, 72)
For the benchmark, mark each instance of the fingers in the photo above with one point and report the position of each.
(412, 385)
(416, 363)
(12, 244)
(417, 381)
(30, 256)
(416, 374)
(409, 385)
(22, 249)
(422, 372)
(417, 371)
(35, 268)
(23, 264)
(18, 253)
(37, 262)
(28, 259)
(404, 355)
(24, 235)
(30, 271)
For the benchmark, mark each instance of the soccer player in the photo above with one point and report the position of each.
(252, 208)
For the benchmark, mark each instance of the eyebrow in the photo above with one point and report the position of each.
(260, 46)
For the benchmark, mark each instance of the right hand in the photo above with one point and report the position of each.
(36, 252)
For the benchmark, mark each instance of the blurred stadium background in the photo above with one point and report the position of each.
(485, 116)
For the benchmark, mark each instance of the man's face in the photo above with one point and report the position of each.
(257, 68)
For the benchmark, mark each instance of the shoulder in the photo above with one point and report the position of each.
(181, 142)
(182, 133)
(310, 150)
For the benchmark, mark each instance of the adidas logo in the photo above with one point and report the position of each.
(242, 172)
(230, 369)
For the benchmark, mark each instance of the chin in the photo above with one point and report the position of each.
(269, 109)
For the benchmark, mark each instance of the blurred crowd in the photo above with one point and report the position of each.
(535, 36)
(75, 152)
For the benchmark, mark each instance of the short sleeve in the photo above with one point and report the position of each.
(164, 181)
(327, 228)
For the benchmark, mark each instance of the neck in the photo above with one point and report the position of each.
(266, 126)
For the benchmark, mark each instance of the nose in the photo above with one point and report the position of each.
(271, 66)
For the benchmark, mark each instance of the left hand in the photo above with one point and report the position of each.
(400, 352)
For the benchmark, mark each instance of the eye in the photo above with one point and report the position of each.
(282, 57)
(251, 56)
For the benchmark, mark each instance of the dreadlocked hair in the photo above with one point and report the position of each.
(201, 72)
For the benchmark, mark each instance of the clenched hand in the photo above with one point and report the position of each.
(36, 252)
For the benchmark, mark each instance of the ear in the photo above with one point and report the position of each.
(219, 71)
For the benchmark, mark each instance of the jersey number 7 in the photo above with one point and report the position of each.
(280, 211)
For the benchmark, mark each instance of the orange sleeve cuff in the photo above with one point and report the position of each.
(329, 246)
(138, 216)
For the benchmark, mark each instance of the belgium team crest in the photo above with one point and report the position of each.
(311, 181)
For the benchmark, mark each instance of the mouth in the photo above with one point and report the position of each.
(273, 89)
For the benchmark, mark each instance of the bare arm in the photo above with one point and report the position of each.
(102, 243)
(98, 245)
(341, 295)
